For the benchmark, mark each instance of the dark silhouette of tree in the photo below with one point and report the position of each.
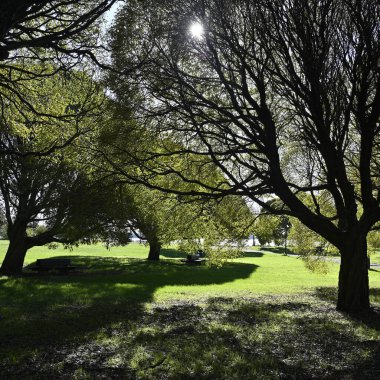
(35, 192)
(45, 29)
(282, 96)
(44, 180)
(39, 39)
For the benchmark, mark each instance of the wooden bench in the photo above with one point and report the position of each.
(61, 265)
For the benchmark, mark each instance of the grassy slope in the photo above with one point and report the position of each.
(264, 315)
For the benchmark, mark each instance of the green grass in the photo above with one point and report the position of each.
(260, 316)
(258, 272)
(375, 258)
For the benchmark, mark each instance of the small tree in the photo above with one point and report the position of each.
(166, 216)
(264, 228)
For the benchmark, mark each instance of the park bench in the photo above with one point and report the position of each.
(196, 259)
(319, 250)
(45, 265)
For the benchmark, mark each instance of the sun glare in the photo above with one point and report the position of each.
(196, 30)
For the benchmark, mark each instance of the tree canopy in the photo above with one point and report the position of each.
(44, 175)
(38, 39)
(283, 98)
(48, 29)
(194, 222)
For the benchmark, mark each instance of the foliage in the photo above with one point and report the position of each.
(271, 228)
(310, 246)
(373, 242)
(3, 227)
(219, 228)
(263, 80)
(264, 228)
(44, 173)
(216, 226)
(57, 33)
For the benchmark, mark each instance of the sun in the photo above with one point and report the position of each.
(196, 30)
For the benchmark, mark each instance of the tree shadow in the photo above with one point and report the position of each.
(252, 254)
(42, 310)
(279, 250)
(369, 318)
(98, 321)
(171, 253)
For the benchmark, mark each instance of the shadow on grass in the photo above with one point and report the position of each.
(171, 253)
(95, 325)
(252, 254)
(40, 310)
(370, 318)
(280, 250)
(223, 338)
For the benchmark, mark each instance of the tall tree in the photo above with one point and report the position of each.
(258, 79)
(149, 213)
(50, 186)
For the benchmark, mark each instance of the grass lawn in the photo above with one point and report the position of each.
(260, 316)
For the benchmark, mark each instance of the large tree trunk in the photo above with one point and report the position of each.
(154, 250)
(15, 256)
(353, 295)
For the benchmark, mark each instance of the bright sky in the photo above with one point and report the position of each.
(109, 15)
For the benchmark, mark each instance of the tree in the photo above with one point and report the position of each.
(150, 213)
(218, 227)
(162, 217)
(264, 77)
(3, 227)
(50, 188)
(35, 193)
(269, 227)
(264, 228)
(282, 231)
(45, 29)
(39, 39)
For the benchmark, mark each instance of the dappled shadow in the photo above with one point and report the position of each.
(327, 294)
(171, 253)
(252, 254)
(370, 318)
(101, 323)
(280, 250)
(217, 338)
(40, 311)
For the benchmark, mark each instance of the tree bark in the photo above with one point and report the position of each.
(353, 288)
(154, 250)
(15, 256)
